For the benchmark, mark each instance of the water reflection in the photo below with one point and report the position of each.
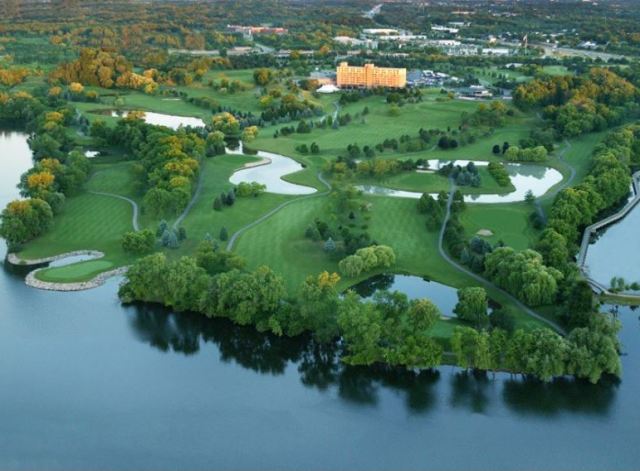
(530, 397)
(319, 367)
(469, 390)
(415, 287)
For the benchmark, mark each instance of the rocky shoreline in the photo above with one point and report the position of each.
(13, 258)
(99, 280)
(32, 281)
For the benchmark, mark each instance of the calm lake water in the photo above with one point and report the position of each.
(88, 383)
(525, 177)
(160, 119)
(270, 173)
(617, 251)
(415, 287)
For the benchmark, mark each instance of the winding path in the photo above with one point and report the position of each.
(194, 198)
(134, 205)
(484, 281)
(264, 217)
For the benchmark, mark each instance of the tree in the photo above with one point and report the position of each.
(593, 350)
(351, 266)
(318, 307)
(553, 248)
(262, 76)
(226, 123)
(214, 260)
(217, 204)
(496, 149)
(224, 235)
(529, 197)
(472, 305)
(523, 274)
(138, 243)
(471, 348)
(250, 133)
(329, 245)
(579, 304)
(24, 220)
(361, 327)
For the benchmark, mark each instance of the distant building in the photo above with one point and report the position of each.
(444, 29)
(355, 42)
(380, 31)
(256, 29)
(370, 76)
(475, 91)
(495, 51)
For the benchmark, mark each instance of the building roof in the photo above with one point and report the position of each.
(328, 88)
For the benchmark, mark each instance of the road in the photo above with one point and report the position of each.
(373, 12)
(194, 198)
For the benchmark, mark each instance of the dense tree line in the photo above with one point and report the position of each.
(606, 185)
(581, 104)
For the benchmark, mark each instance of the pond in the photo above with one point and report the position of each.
(524, 177)
(160, 119)
(89, 383)
(415, 287)
(616, 253)
(269, 172)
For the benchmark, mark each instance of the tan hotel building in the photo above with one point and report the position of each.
(370, 76)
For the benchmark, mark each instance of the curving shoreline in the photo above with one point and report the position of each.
(100, 279)
(32, 281)
(14, 259)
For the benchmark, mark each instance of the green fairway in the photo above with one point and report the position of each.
(202, 219)
(88, 222)
(372, 128)
(279, 242)
(509, 223)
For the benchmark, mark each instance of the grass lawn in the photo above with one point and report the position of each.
(87, 222)
(202, 219)
(279, 242)
(377, 125)
(508, 222)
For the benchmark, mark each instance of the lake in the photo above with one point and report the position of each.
(415, 287)
(525, 177)
(269, 172)
(88, 383)
(616, 251)
(160, 119)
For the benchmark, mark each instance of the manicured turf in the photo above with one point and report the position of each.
(78, 271)
(202, 218)
(88, 222)
(279, 242)
(375, 127)
(508, 222)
